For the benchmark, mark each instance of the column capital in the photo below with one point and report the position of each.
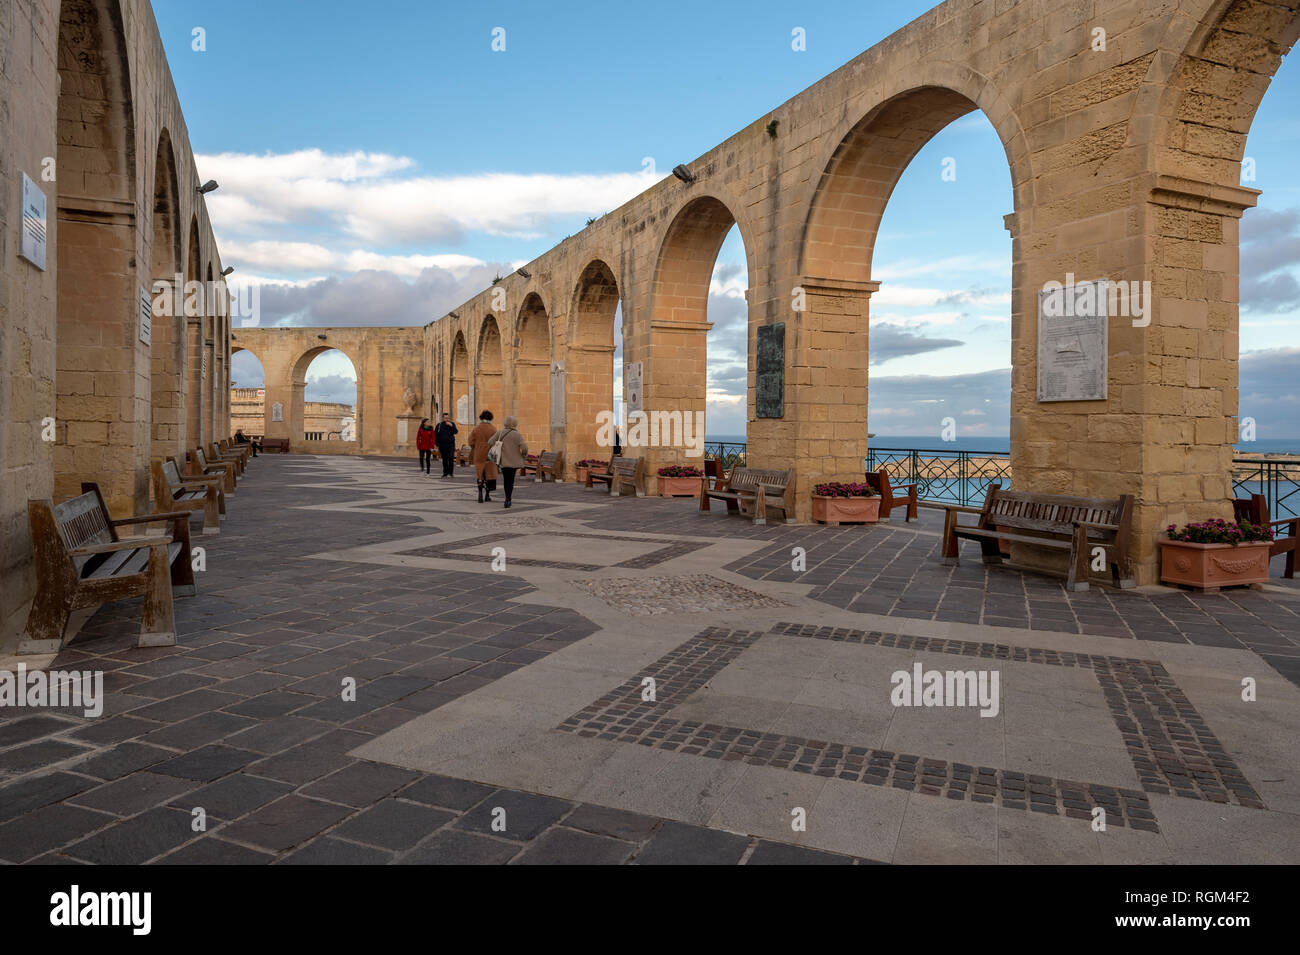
(1179, 192)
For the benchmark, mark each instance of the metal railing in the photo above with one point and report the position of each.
(730, 453)
(1278, 481)
(944, 477)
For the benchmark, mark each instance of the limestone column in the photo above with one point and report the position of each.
(674, 396)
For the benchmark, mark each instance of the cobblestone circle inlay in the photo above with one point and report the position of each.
(685, 593)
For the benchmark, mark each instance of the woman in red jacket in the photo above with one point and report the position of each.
(424, 443)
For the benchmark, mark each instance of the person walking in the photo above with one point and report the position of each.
(444, 436)
(424, 444)
(484, 470)
(513, 453)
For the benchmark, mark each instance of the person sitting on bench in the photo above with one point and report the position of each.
(241, 438)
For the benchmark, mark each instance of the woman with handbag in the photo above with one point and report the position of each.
(511, 452)
(484, 470)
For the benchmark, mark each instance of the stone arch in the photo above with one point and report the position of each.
(242, 402)
(195, 315)
(589, 360)
(294, 413)
(676, 375)
(532, 369)
(489, 375)
(167, 424)
(461, 400)
(102, 367)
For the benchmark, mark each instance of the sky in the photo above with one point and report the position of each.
(379, 164)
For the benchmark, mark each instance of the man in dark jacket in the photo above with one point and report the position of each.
(444, 436)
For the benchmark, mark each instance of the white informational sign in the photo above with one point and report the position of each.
(1072, 342)
(462, 409)
(146, 316)
(632, 386)
(32, 244)
(557, 394)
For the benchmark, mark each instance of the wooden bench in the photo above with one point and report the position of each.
(530, 465)
(225, 469)
(280, 445)
(1255, 510)
(893, 495)
(464, 454)
(753, 491)
(714, 476)
(230, 448)
(1080, 525)
(604, 476)
(549, 463)
(81, 561)
(222, 451)
(171, 492)
(625, 473)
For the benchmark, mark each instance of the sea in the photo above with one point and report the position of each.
(1002, 444)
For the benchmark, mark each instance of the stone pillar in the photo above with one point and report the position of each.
(588, 391)
(675, 394)
(407, 426)
(823, 433)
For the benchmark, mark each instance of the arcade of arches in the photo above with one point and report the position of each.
(1124, 163)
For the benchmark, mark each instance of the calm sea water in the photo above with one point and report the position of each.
(933, 443)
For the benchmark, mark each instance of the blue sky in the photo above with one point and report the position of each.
(384, 163)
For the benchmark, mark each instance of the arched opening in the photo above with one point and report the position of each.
(196, 311)
(247, 399)
(323, 403)
(532, 386)
(489, 382)
(699, 300)
(588, 370)
(460, 397)
(838, 278)
(102, 359)
(167, 401)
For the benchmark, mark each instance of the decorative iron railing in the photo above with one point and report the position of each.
(944, 477)
(313, 435)
(730, 453)
(963, 477)
(1278, 481)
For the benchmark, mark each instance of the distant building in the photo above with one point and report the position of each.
(322, 420)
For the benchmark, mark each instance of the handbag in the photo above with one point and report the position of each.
(494, 453)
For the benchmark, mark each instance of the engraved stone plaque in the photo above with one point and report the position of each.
(1072, 342)
(557, 394)
(769, 396)
(632, 386)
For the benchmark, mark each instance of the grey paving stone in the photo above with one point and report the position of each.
(114, 729)
(393, 824)
(34, 792)
(198, 730)
(780, 853)
(561, 846)
(360, 784)
(526, 814)
(446, 791)
(628, 826)
(30, 835)
(285, 823)
(272, 704)
(207, 762)
(455, 847)
(233, 796)
(330, 851)
(211, 850)
(29, 728)
(677, 843)
(301, 764)
(278, 735)
(21, 759)
(134, 793)
(124, 758)
(135, 840)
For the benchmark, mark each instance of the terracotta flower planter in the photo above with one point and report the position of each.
(1211, 566)
(582, 475)
(845, 510)
(679, 486)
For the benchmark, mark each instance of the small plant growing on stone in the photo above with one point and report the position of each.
(771, 127)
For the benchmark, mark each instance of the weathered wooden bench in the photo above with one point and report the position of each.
(549, 467)
(172, 492)
(230, 447)
(626, 473)
(224, 469)
(1081, 525)
(1255, 510)
(220, 451)
(463, 455)
(714, 475)
(603, 475)
(279, 445)
(753, 491)
(530, 465)
(892, 495)
(82, 562)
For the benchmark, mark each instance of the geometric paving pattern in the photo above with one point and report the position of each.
(1170, 745)
(453, 551)
(683, 593)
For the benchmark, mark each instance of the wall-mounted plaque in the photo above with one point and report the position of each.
(1072, 342)
(146, 316)
(462, 409)
(277, 411)
(31, 245)
(557, 394)
(632, 386)
(769, 379)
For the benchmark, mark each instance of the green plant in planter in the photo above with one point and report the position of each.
(1219, 531)
(680, 470)
(841, 489)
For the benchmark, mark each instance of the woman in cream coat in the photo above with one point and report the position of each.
(514, 451)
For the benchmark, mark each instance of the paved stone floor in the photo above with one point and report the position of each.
(643, 683)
